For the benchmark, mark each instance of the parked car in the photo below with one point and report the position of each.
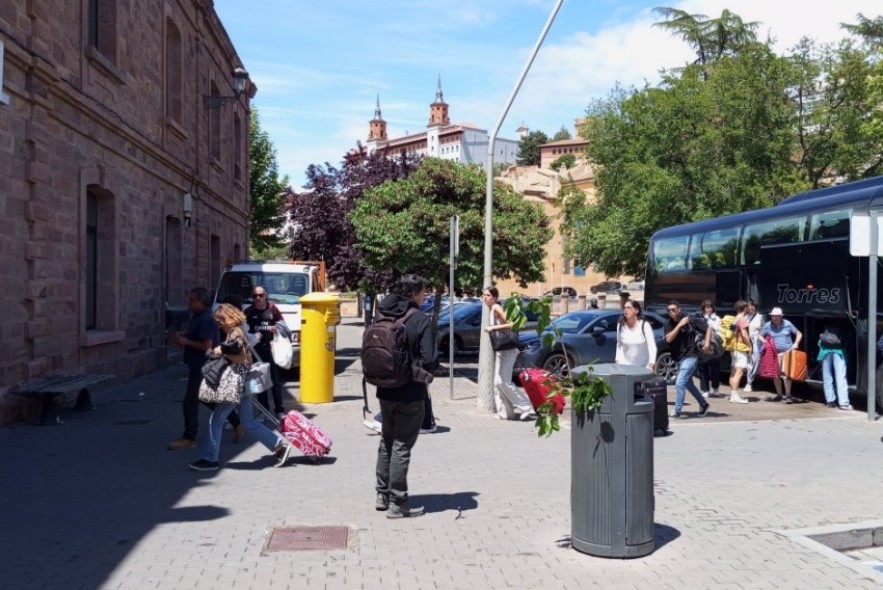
(635, 286)
(556, 292)
(467, 327)
(588, 336)
(606, 287)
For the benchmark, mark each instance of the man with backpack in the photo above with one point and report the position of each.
(398, 354)
(680, 333)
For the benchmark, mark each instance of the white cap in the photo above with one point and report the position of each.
(776, 311)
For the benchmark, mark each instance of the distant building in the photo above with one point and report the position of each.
(541, 184)
(121, 188)
(461, 142)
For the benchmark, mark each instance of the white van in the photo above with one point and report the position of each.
(285, 283)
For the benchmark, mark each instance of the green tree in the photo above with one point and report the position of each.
(561, 134)
(710, 38)
(404, 225)
(567, 160)
(266, 188)
(529, 148)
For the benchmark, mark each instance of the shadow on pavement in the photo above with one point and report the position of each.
(458, 502)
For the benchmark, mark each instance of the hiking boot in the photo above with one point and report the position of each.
(204, 465)
(182, 443)
(282, 452)
(404, 511)
(381, 504)
(238, 433)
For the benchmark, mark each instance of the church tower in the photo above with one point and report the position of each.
(377, 127)
(438, 110)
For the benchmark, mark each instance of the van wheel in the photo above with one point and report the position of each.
(666, 367)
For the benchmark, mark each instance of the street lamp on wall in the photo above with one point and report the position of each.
(240, 77)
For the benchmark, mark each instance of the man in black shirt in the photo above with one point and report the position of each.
(262, 318)
(681, 337)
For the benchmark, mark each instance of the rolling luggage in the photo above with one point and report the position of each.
(657, 390)
(300, 432)
(536, 384)
(794, 365)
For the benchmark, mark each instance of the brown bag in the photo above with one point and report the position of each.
(794, 365)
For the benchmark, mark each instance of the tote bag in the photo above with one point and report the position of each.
(503, 340)
(229, 389)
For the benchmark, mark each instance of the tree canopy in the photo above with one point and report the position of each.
(529, 148)
(266, 188)
(739, 129)
(404, 225)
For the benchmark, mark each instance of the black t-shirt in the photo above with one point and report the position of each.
(260, 320)
(684, 344)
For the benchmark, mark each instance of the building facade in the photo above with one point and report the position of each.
(541, 184)
(119, 188)
(461, 142)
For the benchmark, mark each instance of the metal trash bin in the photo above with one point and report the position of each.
(611, 494)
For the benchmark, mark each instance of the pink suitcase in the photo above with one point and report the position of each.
(305, 435)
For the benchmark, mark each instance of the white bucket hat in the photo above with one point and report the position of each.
(776, 311)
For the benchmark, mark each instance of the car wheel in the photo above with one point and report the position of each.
(666, 367)
(444, 347)
(556, 364)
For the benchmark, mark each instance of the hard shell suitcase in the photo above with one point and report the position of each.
(657, 390)
(794, 365)
(536, 384)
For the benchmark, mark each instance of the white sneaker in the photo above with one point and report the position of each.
(737, 399)
(429, 430)
(704, 395)
(373, 425)
(716, 393)
(747, 388)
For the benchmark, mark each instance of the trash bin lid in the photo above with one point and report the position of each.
(320, 298)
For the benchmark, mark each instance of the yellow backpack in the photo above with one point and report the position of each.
(728, 335)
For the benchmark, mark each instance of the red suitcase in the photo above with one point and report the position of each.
(536, 383)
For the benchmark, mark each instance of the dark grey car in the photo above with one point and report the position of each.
(588, 336)
(467, 327)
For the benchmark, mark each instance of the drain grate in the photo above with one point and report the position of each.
(308, 538)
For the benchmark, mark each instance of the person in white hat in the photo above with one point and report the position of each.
(785, 337)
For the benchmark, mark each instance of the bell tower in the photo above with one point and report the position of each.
(377, 126)
(438, 110)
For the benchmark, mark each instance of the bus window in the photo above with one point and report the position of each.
(831, 224)
(719, 247)
(779, 231)
(670, 254)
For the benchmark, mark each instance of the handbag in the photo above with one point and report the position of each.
(280, 348)
(258, 378)
(503, 340)
(213, 369)
(229, 389)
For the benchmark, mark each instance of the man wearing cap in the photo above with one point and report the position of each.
(785, 337)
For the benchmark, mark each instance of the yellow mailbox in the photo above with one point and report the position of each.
(320, 314)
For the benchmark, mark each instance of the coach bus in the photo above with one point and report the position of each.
(794, 255)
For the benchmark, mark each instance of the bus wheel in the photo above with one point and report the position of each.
(666, 367)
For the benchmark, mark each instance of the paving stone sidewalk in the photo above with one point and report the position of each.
(98, 502)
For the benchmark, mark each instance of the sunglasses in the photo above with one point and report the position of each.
(259, 295)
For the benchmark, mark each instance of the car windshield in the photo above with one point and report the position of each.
(571, 323)
(285, 288)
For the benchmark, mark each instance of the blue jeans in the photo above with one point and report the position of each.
(834, 379)
(210, 446)
(684, 381)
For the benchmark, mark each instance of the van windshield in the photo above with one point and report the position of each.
(285, 288)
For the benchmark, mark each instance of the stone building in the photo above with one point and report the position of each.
(461, 142)
(119, 187)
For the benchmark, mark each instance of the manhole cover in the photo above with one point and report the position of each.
(308, 538)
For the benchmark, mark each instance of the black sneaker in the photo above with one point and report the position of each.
(204, 465)
(382, 503)
(404, 511)
(703, 411)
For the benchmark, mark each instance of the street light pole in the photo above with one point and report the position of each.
(486, 354)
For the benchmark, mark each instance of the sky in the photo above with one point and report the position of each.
(320, 66)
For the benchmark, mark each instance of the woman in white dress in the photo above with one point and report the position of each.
(510, 400)
(635, 343)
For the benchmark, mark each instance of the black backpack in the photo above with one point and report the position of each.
(386, 361)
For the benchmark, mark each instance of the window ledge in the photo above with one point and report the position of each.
(216, 164)
(104, 64)
(176, 128)
(99, 337)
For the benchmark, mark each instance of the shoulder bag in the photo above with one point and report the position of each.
(229, 389)
(504, 339)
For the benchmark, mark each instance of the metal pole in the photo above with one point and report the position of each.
(872, 318)
(486, 354)
(455, 230)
